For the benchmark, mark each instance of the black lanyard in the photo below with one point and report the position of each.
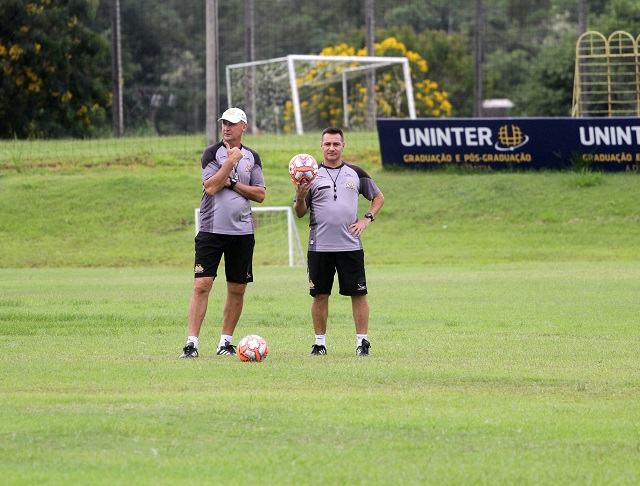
(335, 189)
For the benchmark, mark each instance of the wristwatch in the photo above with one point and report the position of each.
(370, 216)
(233, 182)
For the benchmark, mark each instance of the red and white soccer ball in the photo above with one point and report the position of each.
(253, 348)
(303, 168)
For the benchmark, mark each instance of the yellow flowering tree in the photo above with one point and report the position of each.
(54, 71)
(325, 104)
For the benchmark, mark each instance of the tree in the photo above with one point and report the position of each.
(621, 15)
(436, 15)
(54, 71)
(163, 65)
(449, 59)
(548, 87)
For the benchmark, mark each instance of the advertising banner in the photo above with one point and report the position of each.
(608, 144)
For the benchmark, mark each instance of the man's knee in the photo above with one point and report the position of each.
(202, 285)
(236, 289)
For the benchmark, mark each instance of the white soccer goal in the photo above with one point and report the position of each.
(277, 238)
(279, 90)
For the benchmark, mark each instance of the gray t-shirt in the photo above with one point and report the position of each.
(333, 206)
(227, 212)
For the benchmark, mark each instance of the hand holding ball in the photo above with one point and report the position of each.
(303, 168)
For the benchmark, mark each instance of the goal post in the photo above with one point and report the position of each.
(280, 82)
(277, 238)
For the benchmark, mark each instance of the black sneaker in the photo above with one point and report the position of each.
(317, 350)
(227, 349)
(363, 349)
(189, 351)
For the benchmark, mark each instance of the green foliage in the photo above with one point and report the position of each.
(437, 15)
(588, 178)
(164, 49)
(620, 15)
(503, 70)
(54, 74)
(449, 61)
(55, 63)
(547, 89)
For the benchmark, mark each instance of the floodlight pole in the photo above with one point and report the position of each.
(582, 28)
(250, 54)
(213, 105)
(478, 50)
(117, 118)
(371, 74)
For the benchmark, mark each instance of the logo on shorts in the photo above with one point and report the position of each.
(362, 286)
(311, 285)
(198, 269)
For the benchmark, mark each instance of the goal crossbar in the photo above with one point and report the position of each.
(370, 63)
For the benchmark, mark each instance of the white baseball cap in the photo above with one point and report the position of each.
(234, 115)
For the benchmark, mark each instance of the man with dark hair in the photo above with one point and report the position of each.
(232, 178)
(334, 237)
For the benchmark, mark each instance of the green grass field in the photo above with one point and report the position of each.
(503, 326)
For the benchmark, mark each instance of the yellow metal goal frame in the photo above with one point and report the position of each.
(607, 75)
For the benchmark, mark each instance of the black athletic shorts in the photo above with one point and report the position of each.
(322, 267)
(238, 256)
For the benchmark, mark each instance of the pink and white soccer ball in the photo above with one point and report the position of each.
(303, 168)
(253, 348)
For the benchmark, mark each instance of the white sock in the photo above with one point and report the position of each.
(321, 339)
(360, 338)
(225, 338)
(194, 340)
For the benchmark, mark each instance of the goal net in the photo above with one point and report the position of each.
(299, 92)
(276, 234)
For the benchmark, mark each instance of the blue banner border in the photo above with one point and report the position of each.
(608, 144)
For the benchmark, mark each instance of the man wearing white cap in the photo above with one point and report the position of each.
(232, 178)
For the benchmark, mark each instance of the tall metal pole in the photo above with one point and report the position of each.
(478, 50)
(371, 74)
(117, 118)
(582, 81)
(582, 17)
(250, 56)
(213, 84)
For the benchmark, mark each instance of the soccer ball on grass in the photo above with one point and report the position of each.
(303, 168)
(253, 348)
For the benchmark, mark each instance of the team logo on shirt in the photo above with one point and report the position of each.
(351, 185)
